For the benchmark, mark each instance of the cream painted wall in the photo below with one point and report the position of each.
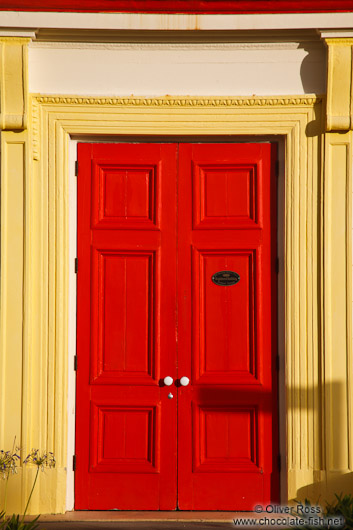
(215, 69)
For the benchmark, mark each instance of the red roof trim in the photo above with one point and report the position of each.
(180, 6)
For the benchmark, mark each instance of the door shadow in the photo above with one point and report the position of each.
(328, 429)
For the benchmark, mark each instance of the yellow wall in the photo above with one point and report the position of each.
(317, 262)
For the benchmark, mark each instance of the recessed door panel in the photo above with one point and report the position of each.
(137, 451)
(123, 334)
(226, 195)
(226, 451)
(124, 195)
(224, 338)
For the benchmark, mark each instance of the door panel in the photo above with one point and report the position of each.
(125, 195)
(225, 195)
(148, 307)
(123, 346)
(226, 433)
(216, 338)
(126, 425)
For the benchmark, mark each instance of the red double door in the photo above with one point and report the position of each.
(156, 223)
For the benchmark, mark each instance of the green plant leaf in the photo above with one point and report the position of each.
(2, 519)
(15, 523)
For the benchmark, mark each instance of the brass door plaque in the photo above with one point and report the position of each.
(225, 278)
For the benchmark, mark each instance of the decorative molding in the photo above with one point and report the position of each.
(335, 33)
(35, 128)
(339, 111)
(339, 41)
(13, 82)
(297, 119)
(15, 38)
(167, 101)
(166, 45)
(41, 102)
(17, 34)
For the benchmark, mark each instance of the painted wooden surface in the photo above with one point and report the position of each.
(339, 108)
(126, 425)
(14, 98)
(55, 118)
(307, 453)
(182, 6)
(131, 324)
(227, 337)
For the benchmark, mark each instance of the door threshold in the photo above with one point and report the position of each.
(117, 515)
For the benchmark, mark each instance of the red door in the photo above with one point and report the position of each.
(156, 223)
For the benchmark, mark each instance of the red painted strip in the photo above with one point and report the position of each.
(181, 6)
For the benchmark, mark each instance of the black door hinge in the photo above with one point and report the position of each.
(279, 461)
(76, 265)
(75, 363)
(76, 168)
(277, 363)
(277, 265)
(74, 463)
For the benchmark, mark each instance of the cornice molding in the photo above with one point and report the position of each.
(165, 45)
(166, 101)
(16, 37)
(339, 41)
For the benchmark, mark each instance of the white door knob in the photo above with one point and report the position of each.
(184, 381)
(168, 380)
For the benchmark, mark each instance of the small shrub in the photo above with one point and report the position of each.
(341, 507)
(14, 523)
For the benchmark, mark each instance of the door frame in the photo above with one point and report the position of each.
(299, 121)
(280, 388)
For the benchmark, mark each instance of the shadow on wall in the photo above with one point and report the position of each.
(313, 68)
(313, 78)
(331, 438)
(324, 491)
(314, 127)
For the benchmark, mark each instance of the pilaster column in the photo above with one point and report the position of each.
(14, 180)
(337, 362)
